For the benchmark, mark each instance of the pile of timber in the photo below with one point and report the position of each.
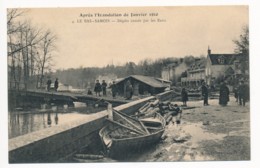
(149, 109)
(166, 109)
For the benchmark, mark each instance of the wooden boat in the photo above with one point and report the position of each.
(121, 139)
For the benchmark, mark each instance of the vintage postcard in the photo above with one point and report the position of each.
(128, 84)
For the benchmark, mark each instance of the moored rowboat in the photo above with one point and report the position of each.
(119, 140)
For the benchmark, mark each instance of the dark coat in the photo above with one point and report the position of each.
(223, 95)
(204, 91)
(49, 82)
(236, 92)
(104, 85)
(113, 88)
(243, 91)
(56, 84)
(97, 87)
(184, 95)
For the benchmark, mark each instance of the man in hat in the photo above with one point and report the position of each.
(104, 87)
(205, 94)
(113, 89)
(56, 84)
(243, 93)
(97, 88)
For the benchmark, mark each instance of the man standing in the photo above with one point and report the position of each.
(114, 89)
(104, 87)
(48, 85)
(184, 96)
(205, 93)
(97, 88)
(56, 84)
(129, 90)
(243, 93)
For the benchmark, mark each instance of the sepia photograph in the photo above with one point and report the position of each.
(128, 84)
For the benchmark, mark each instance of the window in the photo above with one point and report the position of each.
(221, 59)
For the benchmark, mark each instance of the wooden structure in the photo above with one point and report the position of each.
(142, 85)
(122, 136)
(64, 97)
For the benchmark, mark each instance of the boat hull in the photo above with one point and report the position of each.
(120, 148)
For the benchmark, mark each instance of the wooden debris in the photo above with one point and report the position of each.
(132, 122)
(168, 120)
(88, 156)
(144, 106)
(152, 112)
(126, 127)
(155, 103)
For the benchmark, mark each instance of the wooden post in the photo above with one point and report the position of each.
(110, 111)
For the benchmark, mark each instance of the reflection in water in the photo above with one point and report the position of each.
(56, 119)
(20, 124)
(43, 121)
(49, 119)
(23, 122)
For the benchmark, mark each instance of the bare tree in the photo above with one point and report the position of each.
(15, 44)
(44, 56)
(29, 50)
(13, 14)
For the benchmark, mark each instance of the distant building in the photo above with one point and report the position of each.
(195, 74)
(142, 85)
(222, 67)
(173, 71)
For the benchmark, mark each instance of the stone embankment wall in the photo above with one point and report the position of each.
(51, 144)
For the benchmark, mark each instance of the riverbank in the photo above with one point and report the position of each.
(206, 133)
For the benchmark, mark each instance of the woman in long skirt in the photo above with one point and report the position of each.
(223, 94)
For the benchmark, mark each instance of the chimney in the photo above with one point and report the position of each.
(209, 51)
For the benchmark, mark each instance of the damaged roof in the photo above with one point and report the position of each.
(151, 81)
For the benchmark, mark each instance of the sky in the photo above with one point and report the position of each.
(183, 31)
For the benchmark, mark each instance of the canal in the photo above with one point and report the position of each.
(21, 121)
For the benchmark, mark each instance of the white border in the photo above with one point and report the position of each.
(254, 26)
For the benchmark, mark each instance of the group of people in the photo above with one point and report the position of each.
(241, 94)
(56, 84)
(102, 87)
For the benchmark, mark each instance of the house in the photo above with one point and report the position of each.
(222, 66)
(168, 71)
(173, 71)
(142, 85)
(195, 74)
